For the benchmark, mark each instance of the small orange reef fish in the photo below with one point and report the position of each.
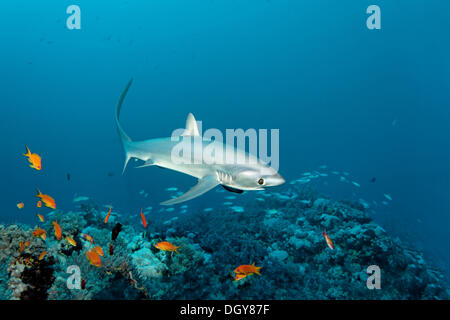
(87, 238)
(107, 216)
(71, 241)
(99, 251)
(23, 245)
(42, 255)
(247, 269)
(93, 258)
(39, 204)
(47, 200)
(166, 246)
(40, 233)
(144, 222)
(58, 232)
(20, 205)
(34, 159)
(328, 240)
(239, 276)
(41, 217)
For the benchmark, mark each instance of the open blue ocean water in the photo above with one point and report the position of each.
(372, 105)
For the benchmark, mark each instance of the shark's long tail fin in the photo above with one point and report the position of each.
(124, 138)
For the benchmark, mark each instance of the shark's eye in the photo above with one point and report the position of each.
(261, 181)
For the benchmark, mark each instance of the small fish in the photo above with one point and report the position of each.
(42, 255)
(111, 249)
(80, 198)
(39, 204)
(41, 217)
(328, 240)
(237, 209)
(58, 232)
(373, 180)
(94, 258)
(388, 196)
(239, 276)
(166, 246)
(34, 159)
(71, 241)
(23, 245)
(83, 284)
(47, 200)
(247, 269)
(107, 216)
(172, 189)
(144, 222)
(68, 176)
(20, 205)
(99, 250)
(356, 184)
(40, 233)
(87, 238)
(323, 166)
(116, 230)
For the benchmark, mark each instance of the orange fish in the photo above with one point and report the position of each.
(144, 222)
(40, 233)
(239, 276)
(93, 258)
(47, 200)
(99, 250)
(57, 227)
(166, 246)
(39, 204)
(328, 240)
(20, 205)
(87, 238)
(247, 269)
(71, 241)
(23, 245)
(41, 217)
(107, 216)
(42, 255)
(34, 159)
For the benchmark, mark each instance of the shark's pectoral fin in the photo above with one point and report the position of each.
(147, 163)
(204, 185)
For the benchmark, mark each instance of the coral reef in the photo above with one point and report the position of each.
(279, 231)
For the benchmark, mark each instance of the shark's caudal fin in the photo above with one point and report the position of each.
(124, 138)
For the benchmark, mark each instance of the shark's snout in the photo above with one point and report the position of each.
(275, 180)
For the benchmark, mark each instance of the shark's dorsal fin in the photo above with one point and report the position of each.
(204, 185)
(191, 126)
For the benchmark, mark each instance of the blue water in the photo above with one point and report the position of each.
(374, 103)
